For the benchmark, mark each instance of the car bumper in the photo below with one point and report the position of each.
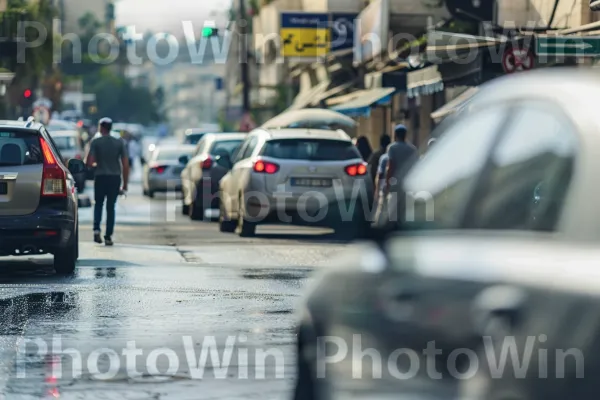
(38, 233)
(164, 185)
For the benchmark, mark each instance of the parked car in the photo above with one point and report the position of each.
(296, 176)
(193, 136)
(500, 240)
(163, 171)
(203, 172)
(69, 146)
(61, 125)
(38, 207)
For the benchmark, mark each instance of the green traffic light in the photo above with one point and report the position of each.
(207, 32)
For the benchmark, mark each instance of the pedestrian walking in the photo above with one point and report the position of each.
(134, 149)
(111, 159)
(373, 163)
(400, 157)
(364, 148)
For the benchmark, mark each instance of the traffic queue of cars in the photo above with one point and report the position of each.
(270, 176)
(489, 288)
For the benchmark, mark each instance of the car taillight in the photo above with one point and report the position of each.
(78, 157)
(206, 163)
(54, 178)
(159, 170)
(356, 169)
(265, 167)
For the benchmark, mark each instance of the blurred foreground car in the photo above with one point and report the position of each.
(163, 171)
(291, 176)
(38, 200)
(517, 167)
(69, 146)
(203, 172)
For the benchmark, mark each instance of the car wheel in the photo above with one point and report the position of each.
(246, 228)
(225, 224)
(65, 259)
(197, 207)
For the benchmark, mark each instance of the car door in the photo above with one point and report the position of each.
(240, 171)
(227, 184)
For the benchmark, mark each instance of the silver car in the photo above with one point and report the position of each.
(69, 145)
(202, 174)
(163, 171)
(296, 176)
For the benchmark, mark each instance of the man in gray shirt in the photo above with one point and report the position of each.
(401, 156)
(110, 158)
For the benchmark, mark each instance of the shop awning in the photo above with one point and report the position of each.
(424, 81)
(359, 103)
(305, 98)
(454, 105)
(331, 93)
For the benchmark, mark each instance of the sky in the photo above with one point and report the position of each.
(166, 15)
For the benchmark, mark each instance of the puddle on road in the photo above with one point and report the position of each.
(275, 274)
(16, 311)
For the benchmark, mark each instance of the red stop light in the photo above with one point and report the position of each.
(27, 93)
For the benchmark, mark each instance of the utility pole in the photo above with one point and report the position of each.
(244, 52)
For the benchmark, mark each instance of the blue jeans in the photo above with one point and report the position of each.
(106, 188)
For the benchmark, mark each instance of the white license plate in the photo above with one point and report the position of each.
(311, 182)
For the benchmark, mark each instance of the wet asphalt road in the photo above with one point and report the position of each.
(178, 294)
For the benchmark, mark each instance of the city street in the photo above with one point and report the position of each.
(167, 283)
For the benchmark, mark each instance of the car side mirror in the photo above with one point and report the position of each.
(76, 166)
(183, 160)
(224, 161)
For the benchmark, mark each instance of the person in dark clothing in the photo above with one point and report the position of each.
(373, 162)
(111, 158)
(364, 148)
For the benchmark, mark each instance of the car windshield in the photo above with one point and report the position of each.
(311, 149)
(65, 142)
(225, 146)
(172, 154)
(19, 148)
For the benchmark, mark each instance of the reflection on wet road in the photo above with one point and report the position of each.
(206, 315)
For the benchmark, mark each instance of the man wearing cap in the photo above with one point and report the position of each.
(109, 154)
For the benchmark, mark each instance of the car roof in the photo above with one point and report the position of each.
(225, 136)
(304, 133)
(64, 133)
(173, 147)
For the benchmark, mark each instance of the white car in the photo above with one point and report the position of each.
(296, 176)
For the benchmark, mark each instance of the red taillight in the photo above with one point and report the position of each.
(159, 170)
(265, 167)
(356, 169)
(54, 178)
(78, 157)
(206, 163)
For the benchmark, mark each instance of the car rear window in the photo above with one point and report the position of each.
(65, 142)
(225, 146)
(311, 149)
(193, 138)
(19, 148)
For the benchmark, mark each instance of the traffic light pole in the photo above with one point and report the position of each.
(244, 52)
